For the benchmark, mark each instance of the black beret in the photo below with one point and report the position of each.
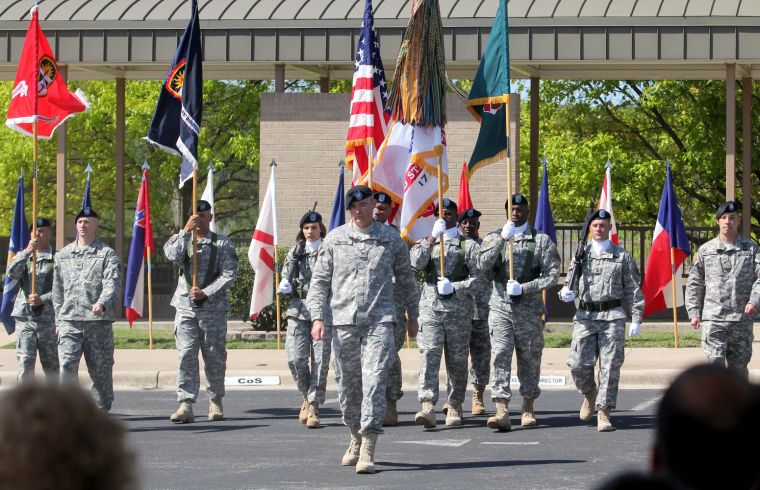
(469, 214)
(86, 213)
(383, 197)
(726, 207)
(516, 199)
(357, 193)
(42, 223)
(310, 217)
(202, 206)
(447, 204)
(601, 214)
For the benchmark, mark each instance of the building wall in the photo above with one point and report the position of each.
(305, 134)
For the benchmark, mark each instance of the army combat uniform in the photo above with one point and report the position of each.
(724, 278)
(84, 276)
(517, 324)
(202, 325)
(35, 327)
(480, 339)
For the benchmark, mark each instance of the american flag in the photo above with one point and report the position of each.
(369, 96)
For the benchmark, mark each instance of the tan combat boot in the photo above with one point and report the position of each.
(426, 416)
(184, 414)
(603, 423)
(528, 417)
(589, 403)
(391, 413)
(303, 415)
(478, 408)
(312, 422)
(352, 453)
(454, 415)
(215, 410)
(366, 463)
(500, 421)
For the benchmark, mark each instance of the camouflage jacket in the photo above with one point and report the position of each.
(18, 270)
(297, 270)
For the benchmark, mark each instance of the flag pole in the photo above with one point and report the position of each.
(509, 183)
(273, 166)
(675, 303)
(150, 301)
(34, 202)
(370, 163)
(195, 235)
(440, 211)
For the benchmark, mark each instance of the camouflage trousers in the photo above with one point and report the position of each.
(480, 353)
(443, 334)
(605, 340)
(393, 390)
(95, 341)
(728, 343)
(523, 334)
(32, 336)
(364, 355)
(207, 332)
(301, 349)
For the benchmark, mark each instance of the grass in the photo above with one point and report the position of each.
(125, 338)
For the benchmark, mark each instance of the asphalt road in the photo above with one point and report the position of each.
(261, 444)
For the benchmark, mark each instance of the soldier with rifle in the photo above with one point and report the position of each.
(603, 277)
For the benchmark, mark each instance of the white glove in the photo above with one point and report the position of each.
(439, 228)
(633, 330)
(285, 287)
(514, 288)
(566, 295)
(444, 286)
(508, 230)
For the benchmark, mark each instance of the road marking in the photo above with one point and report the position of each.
(251, 380)
(511, 443)
(439, 442)
(646, 404)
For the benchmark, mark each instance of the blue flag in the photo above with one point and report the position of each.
(19, 239)
(544, 219)
(338, 215)
(176, 122)
(86, 201)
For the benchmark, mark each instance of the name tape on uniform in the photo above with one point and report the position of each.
(251, 380)
(543, 381)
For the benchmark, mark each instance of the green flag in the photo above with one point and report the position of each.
(490, 94)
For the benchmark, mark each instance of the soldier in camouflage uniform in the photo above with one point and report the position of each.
(353, 278)
(33, 312)
(446, 311)
(201, 318)
(723, 292)
(393, 390)
(480, 339)
(299, 346)
(609, 277)
(517, 308)
(86, 281)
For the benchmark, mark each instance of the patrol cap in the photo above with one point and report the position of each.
(447, 204)
(86, 213)
(202, 206)
(42, 223)
(357, 193)
(601, 214)
(382, 197)
(469, 214)
(726, 207)
(516, 199)
(310, 217)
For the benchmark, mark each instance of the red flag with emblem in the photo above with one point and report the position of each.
(40, 91)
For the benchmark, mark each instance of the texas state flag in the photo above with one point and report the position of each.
(669, 233)
(142, 243)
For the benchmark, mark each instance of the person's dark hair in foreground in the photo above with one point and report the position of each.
(55, 437)
(707, 430)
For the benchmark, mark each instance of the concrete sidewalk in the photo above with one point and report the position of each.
(156, 369)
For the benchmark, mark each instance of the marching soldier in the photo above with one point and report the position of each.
(723, 292)
(86, 281)
(446, 312)
(609, 277)
(480, 339)
(33, 310)
(353, 277)
(201, 318)
(516, 319)
(299, 346)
